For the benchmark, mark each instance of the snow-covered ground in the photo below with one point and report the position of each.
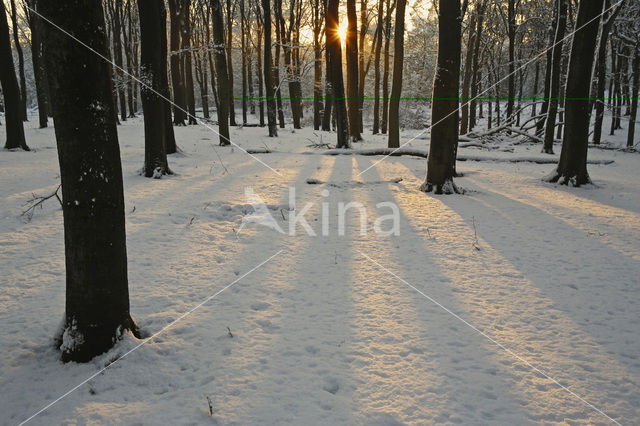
(518, 302)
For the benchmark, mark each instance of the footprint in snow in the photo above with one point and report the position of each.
(260, 306)
(331, 385)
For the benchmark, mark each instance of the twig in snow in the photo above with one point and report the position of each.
(38, 200)
(210, 406)
(475, 244)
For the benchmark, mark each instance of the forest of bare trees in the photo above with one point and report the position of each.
(550, 70)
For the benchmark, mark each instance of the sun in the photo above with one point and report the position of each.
(342, 31)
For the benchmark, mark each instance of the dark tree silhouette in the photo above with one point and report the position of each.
(444, 114)
(10, 89)
(97, 295)
(177, 14)
(153, 63)
(220, 60)
(396, 83)
(23, 80)
(39, 72)
(335, 69)
(268, 70)
(351, 48)
(554, 88)
(572, 168)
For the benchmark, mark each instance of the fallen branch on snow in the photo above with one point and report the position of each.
(38, 200)
(392, 152)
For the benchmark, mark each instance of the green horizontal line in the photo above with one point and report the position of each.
(443, 99)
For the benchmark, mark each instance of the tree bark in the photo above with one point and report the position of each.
(268, 71)
(633, 113)
(351, 47)
(177, 80)
(10, 90)
(232, 106)
(243, 48)
(602, 72)
(396, 87)
(540, 126)
(444, 117)
(187, 67)
(39, 73)
(466, 80)
(572, 168)
(385, 74)
(335, 65)
(318, 108)
(511, 24)
(376, 68)
(97, 295)
(554, 90)
(153, 62)
(23, 80)
(220, 60)
(328, 102)
(475, 79)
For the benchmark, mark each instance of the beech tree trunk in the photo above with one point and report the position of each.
(633, 113)
(39, 73)
(554, 90)
(232, 106)
(318, 18)
(97, 295)
(243, 49)
(177, 80)
(444, 117)
(540, 125)
(475, 79)
(187, 68)
(396, 88)
(385, 74)
(328, 101)
(376, 69)
(268, 71)
(511, 25)
(572, 168)
(601, 69)
(466, 80)
(23, 80)
(10, 90)
(351, 47)
(220, 60)
(335, 65)
(117, 57)
(153, 63)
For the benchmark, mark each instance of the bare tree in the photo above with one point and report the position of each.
(396, 87)
(97, 295)
(572, 168)
(220, 59)
(444, 109)
(554, 88)
(153, 62)
(351, 48)
(23, 80)
(10, 90)
(268, 70)
(335, 69)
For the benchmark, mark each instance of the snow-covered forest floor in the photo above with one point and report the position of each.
(356, 328)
